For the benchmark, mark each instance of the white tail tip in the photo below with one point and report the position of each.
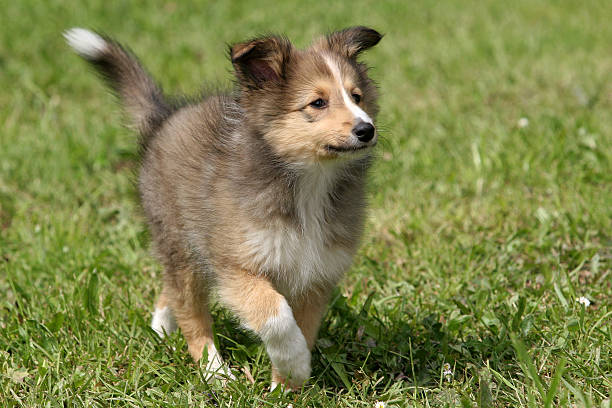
(86, 43)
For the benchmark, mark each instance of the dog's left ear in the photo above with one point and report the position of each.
(351, 41)
(261, 61)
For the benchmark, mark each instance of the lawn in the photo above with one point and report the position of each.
(490, 216)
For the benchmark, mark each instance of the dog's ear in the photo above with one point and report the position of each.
(261, 61)
(351, 41)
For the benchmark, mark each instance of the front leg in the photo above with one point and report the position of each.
(308, 312)
(265, 311)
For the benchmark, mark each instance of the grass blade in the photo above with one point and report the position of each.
(554, 384)
(527, 364)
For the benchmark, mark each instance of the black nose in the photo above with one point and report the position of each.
(364, 131)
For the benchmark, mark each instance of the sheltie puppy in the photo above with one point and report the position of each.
(258, 194)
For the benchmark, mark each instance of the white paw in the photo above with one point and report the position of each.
(286, 390)
(292, 362)
(287, 346)
(163, 321)
(216, 368)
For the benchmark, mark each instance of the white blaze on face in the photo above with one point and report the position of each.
(348, 101)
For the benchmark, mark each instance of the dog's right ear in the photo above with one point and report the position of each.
(262, 61)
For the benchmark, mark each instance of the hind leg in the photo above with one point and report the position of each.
(163, 322)
(185, 299)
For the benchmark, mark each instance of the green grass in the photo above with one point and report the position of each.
(482, 235)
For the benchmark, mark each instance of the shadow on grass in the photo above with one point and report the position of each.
(357, 348)
(357, 345)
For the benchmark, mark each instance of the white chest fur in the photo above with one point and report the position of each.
(298, 255)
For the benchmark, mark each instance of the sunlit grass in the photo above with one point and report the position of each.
(490, 211)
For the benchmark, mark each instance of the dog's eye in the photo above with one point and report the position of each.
(356, 97)
(318, 104)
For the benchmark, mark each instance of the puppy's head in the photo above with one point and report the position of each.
(309, 105)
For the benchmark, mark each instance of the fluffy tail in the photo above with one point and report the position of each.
(141, 97)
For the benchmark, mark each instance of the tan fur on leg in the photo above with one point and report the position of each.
(190, 307)
(265, 311)
(308, 313)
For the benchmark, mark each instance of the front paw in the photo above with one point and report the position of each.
(286, 346)
(291, 365)
(215, 366)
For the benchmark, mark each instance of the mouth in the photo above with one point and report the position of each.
(344, 149)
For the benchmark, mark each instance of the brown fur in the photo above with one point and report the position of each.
(220, 171)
